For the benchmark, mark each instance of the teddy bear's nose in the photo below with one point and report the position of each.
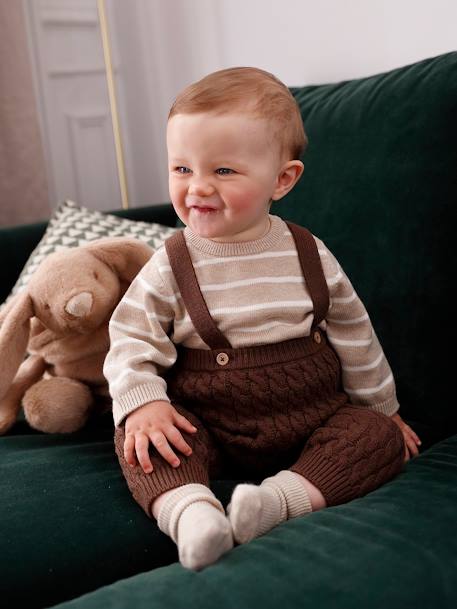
(80, 305)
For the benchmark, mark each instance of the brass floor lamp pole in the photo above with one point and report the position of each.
(113, 104)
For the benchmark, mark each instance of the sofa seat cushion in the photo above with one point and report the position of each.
(69, 523)
(69, 526)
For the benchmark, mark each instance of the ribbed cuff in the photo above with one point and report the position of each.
(274, 509)
(389, 407)
(133, 399)
(296, 496)
(174, 506)
(328, 476)
(149, 487)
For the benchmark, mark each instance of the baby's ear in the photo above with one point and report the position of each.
(287, 178)
(125, 256)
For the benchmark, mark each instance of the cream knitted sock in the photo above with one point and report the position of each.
(195, 519)
(254, 510)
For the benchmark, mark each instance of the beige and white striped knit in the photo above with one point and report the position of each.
(256, 294)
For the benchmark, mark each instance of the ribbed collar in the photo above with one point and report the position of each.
(214, 248)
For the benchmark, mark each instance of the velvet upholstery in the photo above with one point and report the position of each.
(380, 188)
(371, 553)
(70, 526)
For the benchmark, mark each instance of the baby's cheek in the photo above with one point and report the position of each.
(244, 200)
(177, 197)
(175, 191)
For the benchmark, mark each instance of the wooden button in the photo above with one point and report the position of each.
(222, 359)
(317, 337)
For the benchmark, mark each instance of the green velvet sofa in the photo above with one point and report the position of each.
(380, 188)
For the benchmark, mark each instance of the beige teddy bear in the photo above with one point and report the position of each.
(61, 320)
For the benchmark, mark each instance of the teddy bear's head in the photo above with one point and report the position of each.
(74, 291)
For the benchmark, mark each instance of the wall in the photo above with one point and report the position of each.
(166, 44)
(308, 42)
(160, 46)
(23, 186)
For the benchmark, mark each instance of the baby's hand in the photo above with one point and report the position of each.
(412, 440)
(155, 422)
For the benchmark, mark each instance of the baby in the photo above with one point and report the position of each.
(241, 348)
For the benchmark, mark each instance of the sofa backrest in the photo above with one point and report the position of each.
(380, 189)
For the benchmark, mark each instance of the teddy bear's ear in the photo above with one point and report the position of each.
(14, 336)
(125, 256)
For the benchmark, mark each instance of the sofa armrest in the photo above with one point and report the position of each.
(16, 245)
(18, 242)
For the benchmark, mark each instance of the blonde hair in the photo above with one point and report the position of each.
(253, 91)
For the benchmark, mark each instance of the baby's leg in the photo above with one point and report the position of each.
(179, 498)
(355, 452)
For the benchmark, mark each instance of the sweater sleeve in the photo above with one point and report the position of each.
(366, 375)
(140, 348)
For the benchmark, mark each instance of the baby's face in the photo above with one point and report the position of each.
(223, 172)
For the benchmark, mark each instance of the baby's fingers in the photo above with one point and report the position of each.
(142, 452)
(129, 449)
(412, 447)
(162, 446)
(184, 423)
(175, 437)
(416, 438)
(408, 431)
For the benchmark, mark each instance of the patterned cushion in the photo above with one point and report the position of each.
(72, 226)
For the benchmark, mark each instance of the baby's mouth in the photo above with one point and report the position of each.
(203, 209)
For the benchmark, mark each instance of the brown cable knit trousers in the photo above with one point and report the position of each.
(262, 409)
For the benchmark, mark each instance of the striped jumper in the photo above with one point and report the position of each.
(256, 294)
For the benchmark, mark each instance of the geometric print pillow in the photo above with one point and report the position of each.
(72, 226)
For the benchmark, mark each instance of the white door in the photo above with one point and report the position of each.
(73, 102)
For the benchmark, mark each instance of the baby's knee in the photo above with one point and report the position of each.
(377, 430)
(388, 430)
(388, 439)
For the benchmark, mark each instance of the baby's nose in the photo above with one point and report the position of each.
(201, 188)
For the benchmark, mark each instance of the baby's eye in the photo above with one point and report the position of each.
(182, 169)
(224, 171)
